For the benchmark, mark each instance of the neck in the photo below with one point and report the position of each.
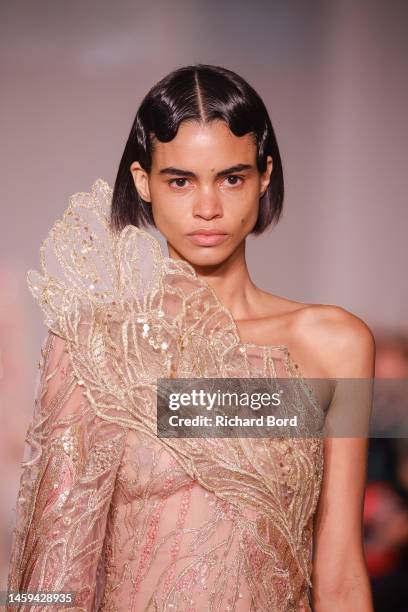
(231, 282)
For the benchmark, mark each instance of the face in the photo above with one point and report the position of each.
(204, 180)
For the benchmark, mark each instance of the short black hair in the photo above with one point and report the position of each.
(204, 93)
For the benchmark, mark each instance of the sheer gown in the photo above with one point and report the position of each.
(108, 510)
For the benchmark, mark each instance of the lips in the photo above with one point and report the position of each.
(207, 232)
(207, 237)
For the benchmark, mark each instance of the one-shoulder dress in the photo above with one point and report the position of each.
(109, 511)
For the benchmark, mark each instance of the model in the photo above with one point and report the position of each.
(108, 512)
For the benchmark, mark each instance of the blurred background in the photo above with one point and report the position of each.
(333, 76)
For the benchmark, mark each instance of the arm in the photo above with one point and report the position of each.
(65, 487)
(340, 577)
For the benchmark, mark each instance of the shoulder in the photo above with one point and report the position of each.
(341, 343)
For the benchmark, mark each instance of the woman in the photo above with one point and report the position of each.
(108, 510)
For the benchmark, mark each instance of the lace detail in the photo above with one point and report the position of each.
(152, 523)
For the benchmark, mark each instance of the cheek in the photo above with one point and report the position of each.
(169, 220)
(247, 221)
(248, 217)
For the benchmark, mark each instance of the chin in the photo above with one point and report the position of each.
(205, 256)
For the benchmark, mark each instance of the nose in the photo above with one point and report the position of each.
(207, 206)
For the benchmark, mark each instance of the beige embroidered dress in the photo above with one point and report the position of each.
(108, 510)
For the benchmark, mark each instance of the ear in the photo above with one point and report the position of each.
(141, 180)
(265, 176)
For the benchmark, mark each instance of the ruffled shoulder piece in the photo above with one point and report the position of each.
(130, 315)
(86, 266)
(83, 259)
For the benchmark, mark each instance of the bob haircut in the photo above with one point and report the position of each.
(204, 93)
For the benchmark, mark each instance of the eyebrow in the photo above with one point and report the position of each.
(225, 172)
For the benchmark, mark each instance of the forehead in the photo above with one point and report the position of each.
(204, 145)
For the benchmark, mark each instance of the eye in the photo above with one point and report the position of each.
(175, 181)
(235, 176)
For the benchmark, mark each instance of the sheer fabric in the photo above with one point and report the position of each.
(107, 509)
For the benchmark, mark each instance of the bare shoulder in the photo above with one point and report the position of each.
(341, 343)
